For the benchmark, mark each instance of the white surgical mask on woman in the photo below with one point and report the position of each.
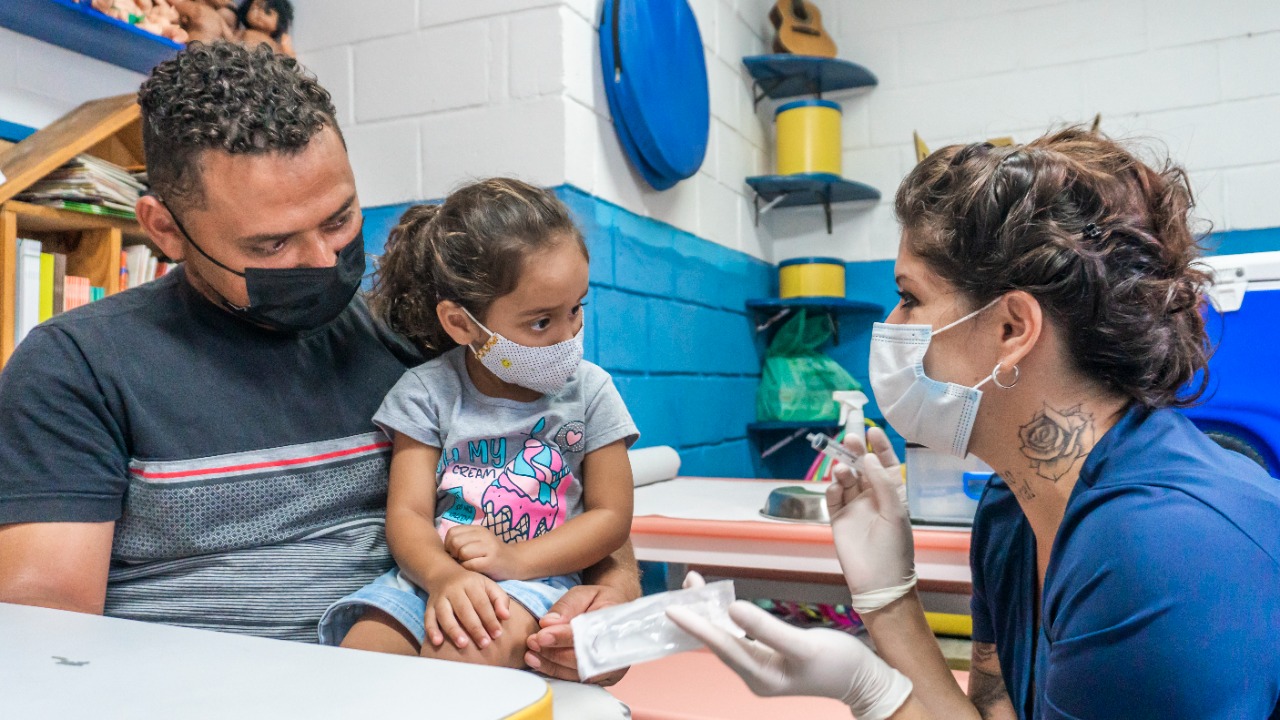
(541, 369)
(936, 414)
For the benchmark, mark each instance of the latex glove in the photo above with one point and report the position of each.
(871, 525)
(785, 660)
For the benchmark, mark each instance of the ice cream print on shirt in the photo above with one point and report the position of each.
(518, 498)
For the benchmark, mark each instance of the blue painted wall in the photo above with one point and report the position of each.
(666, 317)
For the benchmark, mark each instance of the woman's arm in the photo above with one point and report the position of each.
(580, 543)
(872, 532)
(905, 641)
(987, 690)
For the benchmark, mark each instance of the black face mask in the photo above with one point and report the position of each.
(296, 299)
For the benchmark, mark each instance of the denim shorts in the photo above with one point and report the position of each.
(396, 596)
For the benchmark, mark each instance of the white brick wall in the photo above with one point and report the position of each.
(1199, 80)
(40, 82)
(515, 86)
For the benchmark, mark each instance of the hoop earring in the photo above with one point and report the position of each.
(995, 377)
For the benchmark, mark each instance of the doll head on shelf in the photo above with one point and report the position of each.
(266, 21)
(201, 22)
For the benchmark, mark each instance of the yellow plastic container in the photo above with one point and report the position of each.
(811, 277)
(808, 137)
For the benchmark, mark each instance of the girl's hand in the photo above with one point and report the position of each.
(870, 522)
(464, 604)
(477, 549)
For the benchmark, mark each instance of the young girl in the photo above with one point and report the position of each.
(509, 473)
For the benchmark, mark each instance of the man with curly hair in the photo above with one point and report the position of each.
(200, 451)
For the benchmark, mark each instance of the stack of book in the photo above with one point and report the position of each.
(88, 184)
(44, 289)
(138, 265)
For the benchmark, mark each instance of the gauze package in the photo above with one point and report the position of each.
(639, 631)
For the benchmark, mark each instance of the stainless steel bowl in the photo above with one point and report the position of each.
(796, 503)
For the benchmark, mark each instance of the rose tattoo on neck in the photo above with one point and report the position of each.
(1055, 440)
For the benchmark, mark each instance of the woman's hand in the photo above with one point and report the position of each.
(477, 549)
(462, 604)
(871, 525)
(780, 659)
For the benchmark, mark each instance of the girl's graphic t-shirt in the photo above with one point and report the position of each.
(511, 466)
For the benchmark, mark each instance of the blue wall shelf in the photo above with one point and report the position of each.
(779, 309)
(82, 29)
(807, 189)
(781, 76)
(784, 425)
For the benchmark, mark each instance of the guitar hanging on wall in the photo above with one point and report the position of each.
(800, 31)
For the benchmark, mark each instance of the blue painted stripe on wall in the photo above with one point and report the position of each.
(666, 317)
(1235, 242)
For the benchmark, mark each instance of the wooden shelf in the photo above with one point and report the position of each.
(41, 219)
(110, 129)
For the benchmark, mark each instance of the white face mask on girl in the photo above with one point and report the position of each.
(541, 369)
(936, 414)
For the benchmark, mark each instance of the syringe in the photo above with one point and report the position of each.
(838, 452)
(832, 449)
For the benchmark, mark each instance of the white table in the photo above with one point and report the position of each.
(57, 664)
(714, 524)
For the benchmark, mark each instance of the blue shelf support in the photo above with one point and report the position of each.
(781, 76)
(807, 189)
(832, 307)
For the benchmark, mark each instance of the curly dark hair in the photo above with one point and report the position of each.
(470, 250)
(226, 97)
(1101, 239)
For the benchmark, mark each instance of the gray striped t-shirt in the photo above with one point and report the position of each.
(241, 467)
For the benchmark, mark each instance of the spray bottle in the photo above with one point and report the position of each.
(851, 416)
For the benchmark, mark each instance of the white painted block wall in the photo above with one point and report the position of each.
(40, 82)
(433, 93)
(1199, 80)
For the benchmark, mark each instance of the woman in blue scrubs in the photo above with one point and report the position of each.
(1124, 565)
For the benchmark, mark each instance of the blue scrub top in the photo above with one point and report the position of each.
(1162, 594)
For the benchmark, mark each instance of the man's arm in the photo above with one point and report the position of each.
(59, 565)
(986, 684)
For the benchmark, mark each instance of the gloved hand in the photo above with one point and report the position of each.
(871, 526)
(785, 660)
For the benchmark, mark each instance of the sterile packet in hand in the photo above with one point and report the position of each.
(639, 631)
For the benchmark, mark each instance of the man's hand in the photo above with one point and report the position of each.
(477, 549)
(551, 648)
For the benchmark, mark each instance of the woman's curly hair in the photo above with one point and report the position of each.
(471, 250)
(1101, 239)
(224, 96)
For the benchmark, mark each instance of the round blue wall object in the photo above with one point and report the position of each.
(657, 179)
(659, 81)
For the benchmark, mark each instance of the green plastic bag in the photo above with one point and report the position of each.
(797, 380)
